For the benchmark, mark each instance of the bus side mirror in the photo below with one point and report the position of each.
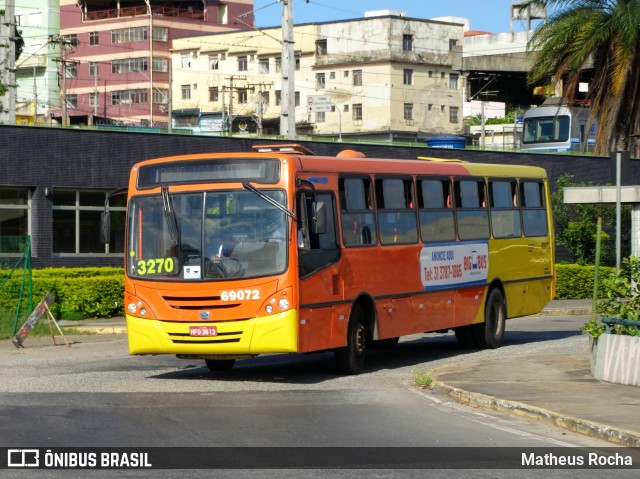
(320, 218)
(105, 227)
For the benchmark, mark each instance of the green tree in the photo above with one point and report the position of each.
(575, 225)
(601, 35)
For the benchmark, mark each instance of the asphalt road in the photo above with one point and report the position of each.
(93, 394)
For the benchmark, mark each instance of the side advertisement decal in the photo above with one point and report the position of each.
(451, 265)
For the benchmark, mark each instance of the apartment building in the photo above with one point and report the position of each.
(384, 76)
(36, 69)
(116, 58)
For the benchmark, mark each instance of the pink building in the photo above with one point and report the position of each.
(116, 54)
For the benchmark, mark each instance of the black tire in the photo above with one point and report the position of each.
(220, 364)
(388, 343)
(350, 359)
(489, 335)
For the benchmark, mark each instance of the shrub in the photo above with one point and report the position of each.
(574, 281)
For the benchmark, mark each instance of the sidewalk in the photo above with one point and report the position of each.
(555, 387)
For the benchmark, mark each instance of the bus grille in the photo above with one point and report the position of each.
(221, 338)
(198, 302)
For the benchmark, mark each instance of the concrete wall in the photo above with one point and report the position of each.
(49, 157)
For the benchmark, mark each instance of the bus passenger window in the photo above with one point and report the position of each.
(505, 214)
(358, 219)
(472, 213)
(436, 215)
(534, 213)
(396, 217)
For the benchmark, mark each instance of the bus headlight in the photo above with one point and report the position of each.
(279, 302)
(137, 307)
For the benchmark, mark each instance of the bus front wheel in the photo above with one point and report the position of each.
(350, 359)
(489, 335)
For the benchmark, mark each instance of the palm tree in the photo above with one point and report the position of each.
(601, 35)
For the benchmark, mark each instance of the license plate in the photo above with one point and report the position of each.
(203, 331)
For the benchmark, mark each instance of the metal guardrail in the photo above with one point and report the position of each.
(624, 322)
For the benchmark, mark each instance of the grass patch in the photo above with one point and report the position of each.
(422, 379)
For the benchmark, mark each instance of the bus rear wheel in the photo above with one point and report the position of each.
(489, 335)
(220, 364)
(350, 359)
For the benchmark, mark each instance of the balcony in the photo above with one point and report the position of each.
(141, 10)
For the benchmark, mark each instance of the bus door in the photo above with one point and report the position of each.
(323, 318)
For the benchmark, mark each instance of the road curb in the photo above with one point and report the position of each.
(600, 431)
(98, 329)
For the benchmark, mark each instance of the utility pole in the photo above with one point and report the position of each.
(261, 88)
(288, 63)
(62, 42)
(9, 26)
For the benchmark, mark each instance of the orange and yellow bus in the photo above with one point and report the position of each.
(232, 255)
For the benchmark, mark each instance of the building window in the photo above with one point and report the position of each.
(321, 47)
(264, 95)
(407, 77)
(76, 218)
(407, 43)
(72, 101)
(185, 60)
(453, 81)
(296, 97)
(94, 39)
(160, 34)
(319, 117)
(213, 93)
(356, 112)
(214, 62)
(243, 63)
(128, 35)
(93, 99)
(332, 75)
(160, 96)
(186, 92)
(278, 64)
(160, 64)
(357, 77)
(452, 43)
(297, 67)
(263, 66)
(93, 69)
(453, 114)
(129, 65)
(320, 81)
(15, 219)
(243, 95)
(278, 97)
(71, 70)
(408, 111)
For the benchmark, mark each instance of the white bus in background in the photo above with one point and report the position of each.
(555, 126)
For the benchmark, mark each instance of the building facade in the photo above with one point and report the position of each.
(384, 76)
(116, 58)
(37, 69)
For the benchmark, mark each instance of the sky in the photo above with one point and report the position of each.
(487, 15)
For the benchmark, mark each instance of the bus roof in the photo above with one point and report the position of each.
(358, 163)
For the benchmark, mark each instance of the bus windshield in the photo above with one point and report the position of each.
(204, 236)
(546, 129)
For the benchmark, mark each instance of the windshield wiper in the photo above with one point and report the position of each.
(170, 216)
(269, 200)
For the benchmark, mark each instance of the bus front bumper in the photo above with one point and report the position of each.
(277, 333)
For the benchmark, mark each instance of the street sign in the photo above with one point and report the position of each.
(319, 103)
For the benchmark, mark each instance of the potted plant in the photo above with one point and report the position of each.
(615, 338)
